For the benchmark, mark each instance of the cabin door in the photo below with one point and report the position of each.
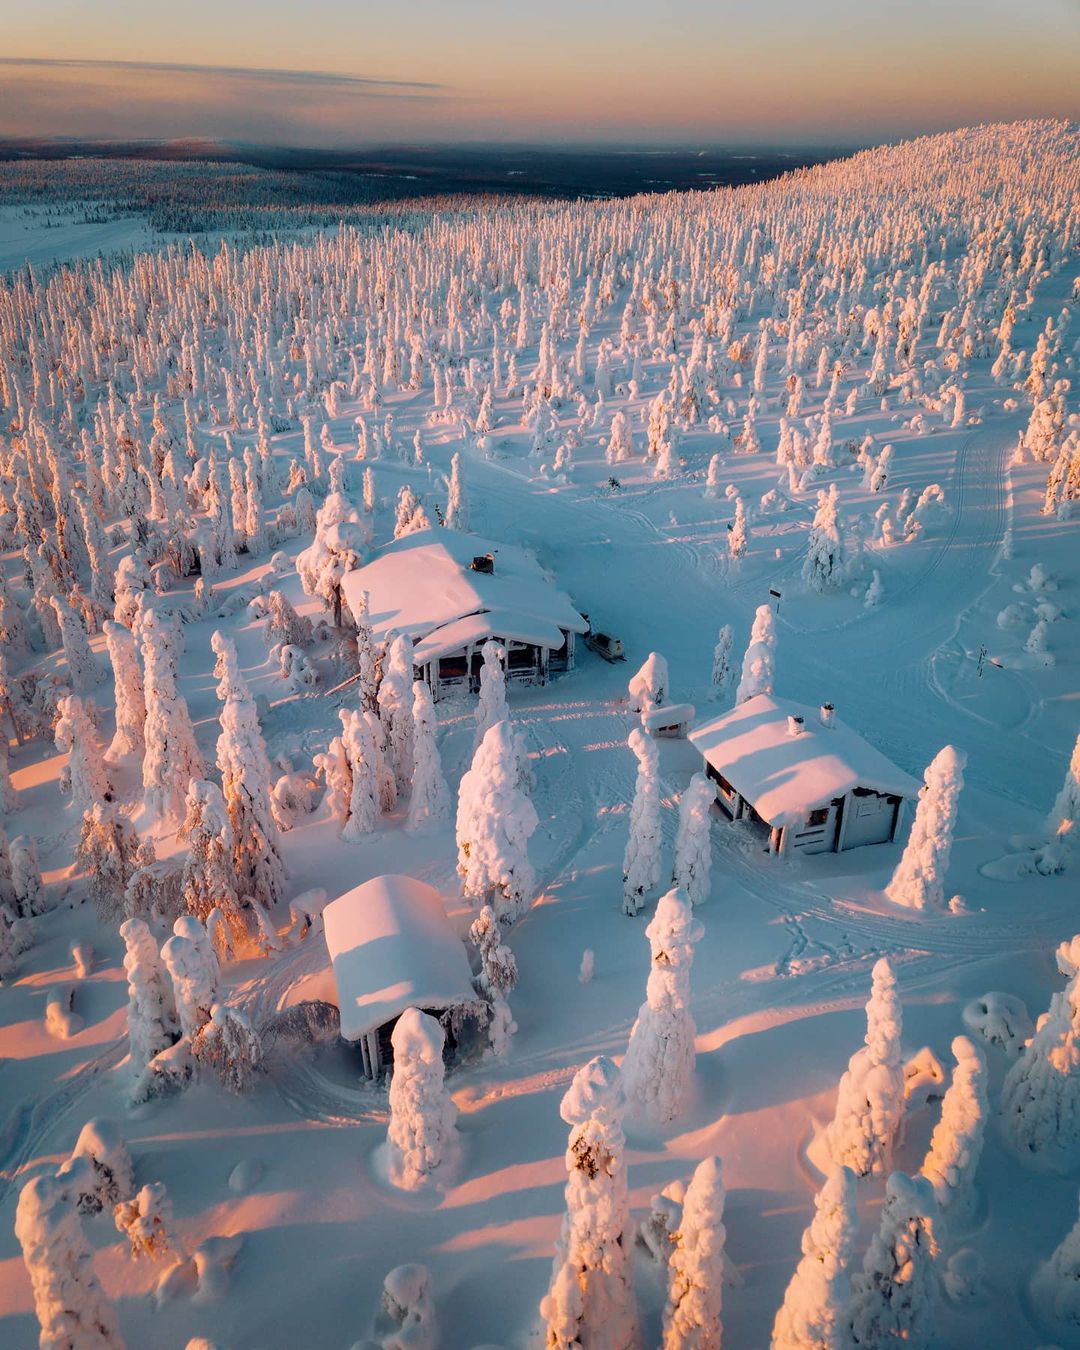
(869, 819)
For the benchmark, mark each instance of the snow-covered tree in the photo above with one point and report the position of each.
(26, 879)
(812, 1314)
(696, 1265)
(495, 821)
(69, 1302)
(151, 1014)
(919, 879)
(395, 709)
(84, 773)
(693, 841)
(650, 686)
(208, 880)
(172, 757)
(108, 852)
(228, 1046)
(825, 566)
(590, 1300)
(362, 756)
(127, 742)
(194, 970)
(721, 666)
(146, 1220)
(457, 504)
(1040, 1098)
(108, 1176)
(759, 661)
(1064, 818)
(894, 1296)
(246, 782)
(429, 802)
(422, 1134)
(1055, 1287)
(620, 444)
(491, 706)
(956, 1144)
(406, 1316)
(870, 1100)
(82, 669)
(497, 978)
(641, 860)
(659, 1061)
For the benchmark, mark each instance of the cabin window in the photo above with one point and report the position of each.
(453, 667)
(720, 781)
(819, 817)
(521, 658)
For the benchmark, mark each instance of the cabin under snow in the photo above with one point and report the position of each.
(451, 592)
(392, 947)
(814, 782)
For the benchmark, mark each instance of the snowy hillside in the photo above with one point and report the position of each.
(834, 415)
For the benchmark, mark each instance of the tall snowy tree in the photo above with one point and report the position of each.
(641, 860)
(246, 781)
(721, 666)
(919, 879)
(395, 709)
(1040, 1098)
(429, 802)
(208, 880)
(1064, 818)
(127, 742)
(82, 668)
(193, 968)
(759, 660)
(659, 1061)
(696, 1265)
(870, 1099)
(825, 565)
(590, 1300)
(956, 1144)
(497, 978)
(491, 706)
(362, 756)
(495, 821)
(71, 1308)
(650, 686)
(693, 841)
(172, 757)
(457, 505)
(1055, 1287)
(151, 1012)
(894, 1296)
(422, 1134)
(84, 773)
(812, 1314)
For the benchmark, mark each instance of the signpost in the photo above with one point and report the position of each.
(776, 597)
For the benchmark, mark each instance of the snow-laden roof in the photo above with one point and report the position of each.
(392, 947)
(477, 628)
(783, 776)
(422, 583)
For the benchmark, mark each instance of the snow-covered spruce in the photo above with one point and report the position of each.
(641, 859)
(194, 970)
(1055, 1286)
(649, 688)
(825, 567)
(811, 1316)
(146, 1220)
(422, 1135)
(406, 1316)
(208, 880)
(26, 881)
(919, 879)
(1040, 1098)
(70, 1305)
(108, 1176)
(759, 660)
(696, 1265)
(956, 1144)
(693, 840)
(362, 756)
(1064, 817)
(457, 505)
(108, 852)
(894, 1296)
(495, 821)
(395, 709)
(590, 1300)
(84, 774)
(129, 700)
(429, 802)
(151, 1012)
(870, 1099)
(659, 1063)
(246, 781)
(228, 1046)
(497, 978)
(491, 706)
(721, 665)
(171, 758)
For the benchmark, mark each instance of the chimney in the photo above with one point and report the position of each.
(794, 726)
(828, 715)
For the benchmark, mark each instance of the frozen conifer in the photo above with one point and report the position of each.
(422, 1133)
(919, 879)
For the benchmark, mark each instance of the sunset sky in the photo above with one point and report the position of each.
(352, 73)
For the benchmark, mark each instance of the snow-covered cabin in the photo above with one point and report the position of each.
(816, 784)
(451, 592)
(392, 947)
